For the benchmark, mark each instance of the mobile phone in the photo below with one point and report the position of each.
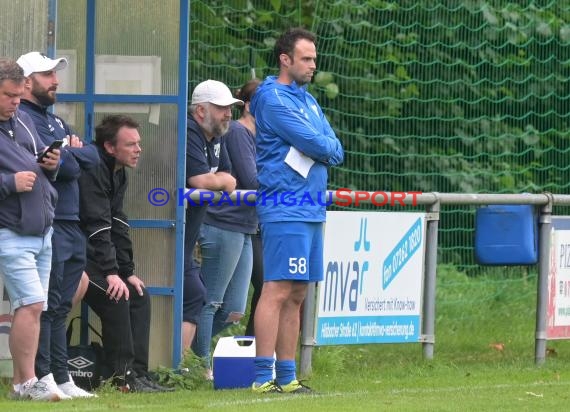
(56, 144)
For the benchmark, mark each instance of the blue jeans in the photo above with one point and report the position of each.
(226, 268)
(25, 262)
(68, 262)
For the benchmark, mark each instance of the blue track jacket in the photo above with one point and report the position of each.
(73, 159)
(288, 116)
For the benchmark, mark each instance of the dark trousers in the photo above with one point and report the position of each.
(68, 262)
(256, 281)
(194, 295)
(125, 327)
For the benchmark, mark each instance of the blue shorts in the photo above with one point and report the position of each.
(25, 262)
(292, 251)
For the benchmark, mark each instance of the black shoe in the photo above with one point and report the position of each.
(132, 383)
(139, 385)
(147, 380)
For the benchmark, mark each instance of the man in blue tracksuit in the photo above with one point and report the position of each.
(68, 241)
(295, 146)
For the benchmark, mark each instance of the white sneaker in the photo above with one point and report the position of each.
(52, 387)
(74, 391)
(209, 375)
(37, 391)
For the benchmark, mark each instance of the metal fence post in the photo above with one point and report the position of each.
(428, 318)
(545, 228)
(308, 331)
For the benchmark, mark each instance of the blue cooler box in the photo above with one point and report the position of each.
(233, 362)
(506, 235)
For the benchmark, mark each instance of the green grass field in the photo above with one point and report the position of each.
(484, 361)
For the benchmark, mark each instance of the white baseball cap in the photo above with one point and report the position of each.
(35, 62)
(213, 91)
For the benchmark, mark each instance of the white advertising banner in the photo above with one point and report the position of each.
(374, 270)
(558, 309)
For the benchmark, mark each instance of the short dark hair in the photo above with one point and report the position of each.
(246, 92)
(285, 44)
(107, 130)
(10, 70)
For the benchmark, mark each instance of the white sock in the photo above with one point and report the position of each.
(27, 384)
(16, 388)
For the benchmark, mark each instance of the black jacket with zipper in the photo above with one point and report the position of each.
(101, 195)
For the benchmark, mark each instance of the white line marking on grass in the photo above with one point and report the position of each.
(481, 387)
(284, 398)
(116, 404)
(293, 397)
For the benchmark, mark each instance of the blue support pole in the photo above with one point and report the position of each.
(52, 24)
(89, 105)
(180, 179)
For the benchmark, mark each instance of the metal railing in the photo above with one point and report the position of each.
(433, 203)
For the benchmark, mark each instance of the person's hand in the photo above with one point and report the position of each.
(25, 181)
(117, 288)
(137, 283)
(228, 182)
(74, 141)
(51, 160)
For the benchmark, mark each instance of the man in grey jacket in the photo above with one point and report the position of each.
(27, 203)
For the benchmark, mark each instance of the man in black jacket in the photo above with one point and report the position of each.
(115, 293)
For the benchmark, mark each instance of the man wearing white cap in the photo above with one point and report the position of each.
(68, 241)
(207, 167)
(36, 62)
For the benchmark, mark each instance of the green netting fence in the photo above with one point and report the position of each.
(445, 96)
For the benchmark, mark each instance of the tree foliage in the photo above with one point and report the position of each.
(446, 96)
(437, 96)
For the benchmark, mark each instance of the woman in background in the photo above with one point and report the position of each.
(246, 119)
